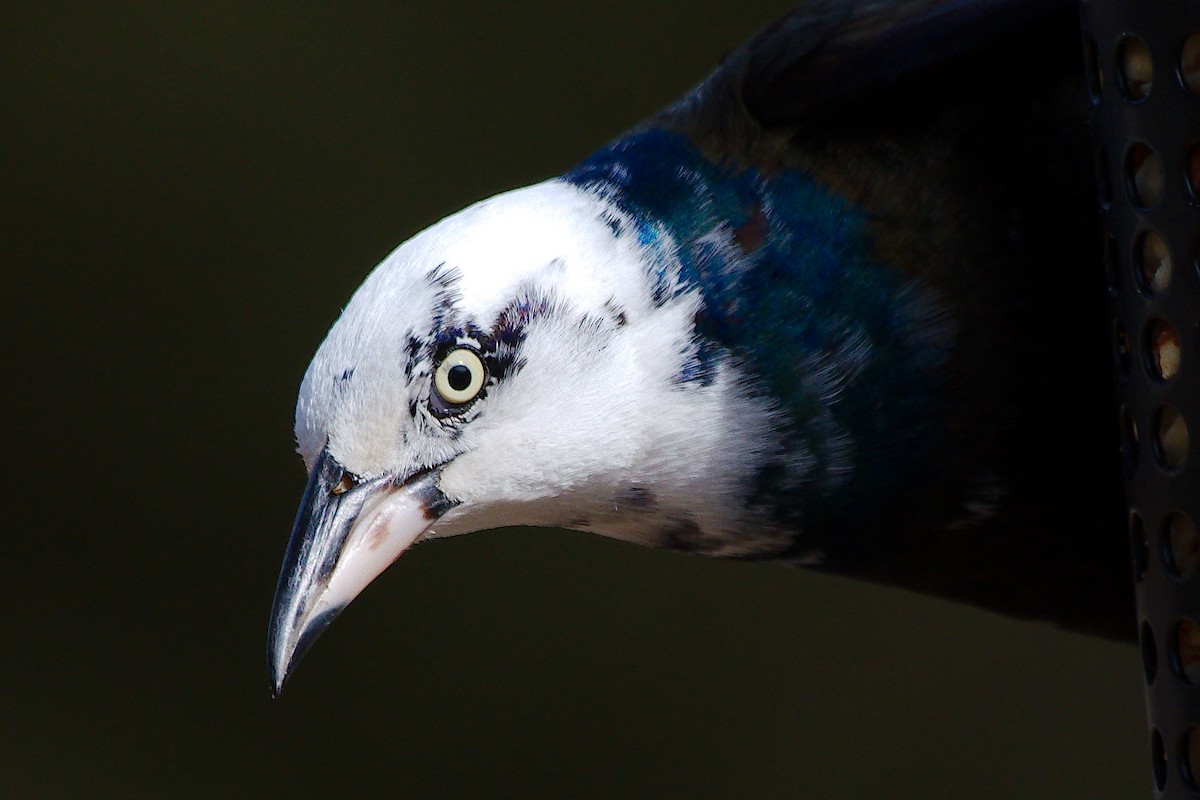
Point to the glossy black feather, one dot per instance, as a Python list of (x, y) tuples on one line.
[(959, 128)]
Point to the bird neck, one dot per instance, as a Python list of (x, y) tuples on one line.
[(849, 351)]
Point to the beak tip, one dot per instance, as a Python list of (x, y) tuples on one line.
[(286, 651), (280, 667), (340, 542)]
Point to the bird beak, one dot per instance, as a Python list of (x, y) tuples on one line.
[(346, 533)]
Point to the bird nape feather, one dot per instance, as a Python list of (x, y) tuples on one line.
[(838, 307)]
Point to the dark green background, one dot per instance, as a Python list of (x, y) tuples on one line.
[(191, 193)]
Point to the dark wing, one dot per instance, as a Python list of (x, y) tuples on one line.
[(959, 129), (826, 55)]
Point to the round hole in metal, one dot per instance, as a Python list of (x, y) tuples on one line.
[(1143, 175), (1153, 260), (1189, 757), (1135, 71), (1171, 443), (1138, 545), (1149, 654), (1121, 348), (1162, 350), (1095, 74), (1185, 651), (1158, 756), (1182, 545), (1189, 63)]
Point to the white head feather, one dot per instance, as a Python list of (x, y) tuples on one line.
[(595, 409)]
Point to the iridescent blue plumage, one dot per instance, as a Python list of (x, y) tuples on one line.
[(794, 292)]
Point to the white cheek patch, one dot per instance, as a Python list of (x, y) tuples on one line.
[(598, 406), (549, 425)]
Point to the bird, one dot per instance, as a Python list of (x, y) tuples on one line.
[(839, 307)]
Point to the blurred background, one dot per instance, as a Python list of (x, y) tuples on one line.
[(191, 192)]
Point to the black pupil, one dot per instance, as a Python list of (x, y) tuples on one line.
[(459, 377)]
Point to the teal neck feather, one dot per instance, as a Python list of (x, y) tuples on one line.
[(793, 293)]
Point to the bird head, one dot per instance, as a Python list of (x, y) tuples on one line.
[(517, 363)]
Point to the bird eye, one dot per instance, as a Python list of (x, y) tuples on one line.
[(459, 378)]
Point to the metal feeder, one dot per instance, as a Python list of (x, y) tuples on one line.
[(1143, 73)]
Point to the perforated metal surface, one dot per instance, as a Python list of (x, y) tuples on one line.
[(1144, 79)]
